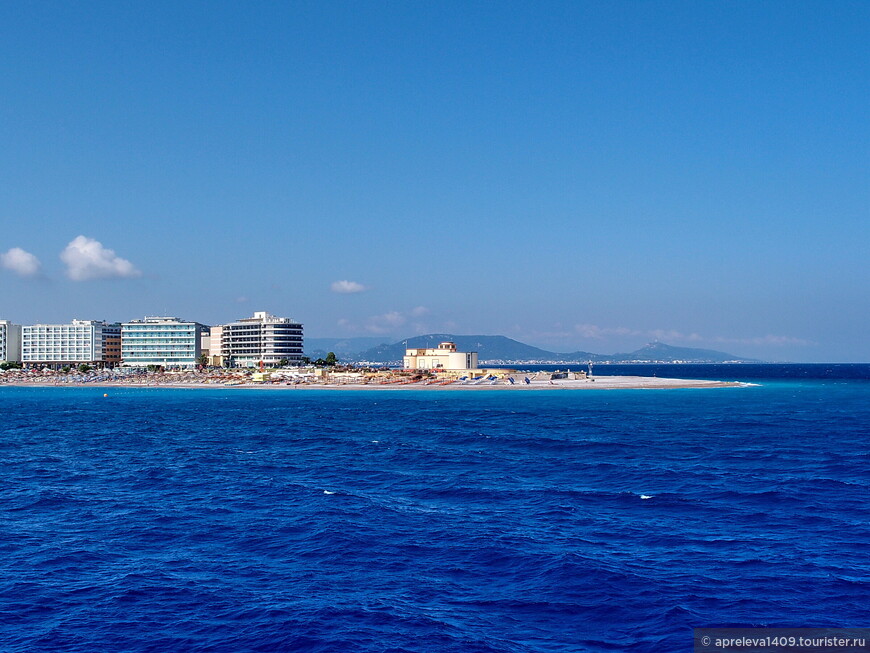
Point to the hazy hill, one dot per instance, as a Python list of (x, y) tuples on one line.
[(503, 349), (344, 348), (660, 352), (487, 347)]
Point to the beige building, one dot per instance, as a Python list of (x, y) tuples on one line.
[(444, 357), (215, 351)]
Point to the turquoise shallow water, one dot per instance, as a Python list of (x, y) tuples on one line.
[(222, 520)]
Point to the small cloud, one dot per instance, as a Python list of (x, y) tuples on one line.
[(597, 333), (776, 341), (22, 263), (347, 287), (671, 335), (389, 322), (385, 323), (87, 259), (589, 331), (241, 300), (666, 335), (379, 324)]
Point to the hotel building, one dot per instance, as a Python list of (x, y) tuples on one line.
[(445, 357), (82, 341), (262, 338), (215, 349), (112, 346), (10, 342), (164, 341)]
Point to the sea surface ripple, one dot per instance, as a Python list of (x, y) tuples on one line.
[(303, 520)]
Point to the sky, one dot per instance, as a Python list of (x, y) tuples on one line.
[(578, 176)]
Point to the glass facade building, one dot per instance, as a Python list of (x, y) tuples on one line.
[(165, 341)]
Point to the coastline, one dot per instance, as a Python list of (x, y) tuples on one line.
[(599, 383)]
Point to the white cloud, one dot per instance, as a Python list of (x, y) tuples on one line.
[(596, 332), (387, 323), (347, 287), (777, 341), (22, 263), (87, 259), (670, 335)]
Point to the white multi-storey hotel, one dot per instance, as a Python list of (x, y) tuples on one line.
[(163, 341), (261, 339), (10, 342), (82, 341)]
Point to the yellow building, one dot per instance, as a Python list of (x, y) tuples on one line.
[(444, 357)]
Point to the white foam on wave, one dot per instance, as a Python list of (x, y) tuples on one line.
[(328, 492), (646, 496)]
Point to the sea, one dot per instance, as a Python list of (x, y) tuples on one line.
[(234, 520)]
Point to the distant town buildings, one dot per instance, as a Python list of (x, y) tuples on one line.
[(444, 357), (161, 341), (261, 340), (10, 342), (82, 341)]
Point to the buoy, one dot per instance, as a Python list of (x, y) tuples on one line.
[(105, 395)]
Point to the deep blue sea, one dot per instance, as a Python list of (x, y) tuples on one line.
[(461, 520)]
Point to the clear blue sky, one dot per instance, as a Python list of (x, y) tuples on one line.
[(574, 175)]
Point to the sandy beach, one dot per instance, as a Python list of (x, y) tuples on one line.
[(194, 380), (600, 383)]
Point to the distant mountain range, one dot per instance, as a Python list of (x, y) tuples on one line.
[(344, 348), (500, 349)]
